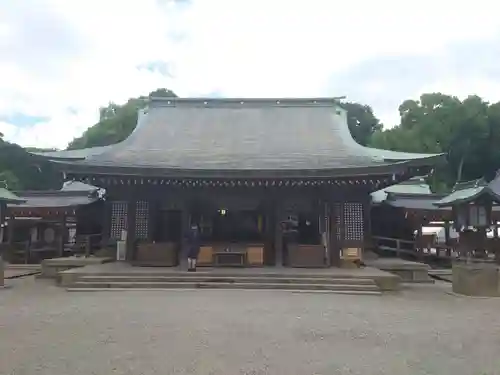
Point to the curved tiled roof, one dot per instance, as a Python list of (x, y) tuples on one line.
[(73, 154), (6, 196), (245, 135), (54, 198), (469, 191), (415, 185)]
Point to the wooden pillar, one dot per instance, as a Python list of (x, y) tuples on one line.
[(367, 227), (131, 211), (278, 237), (447, 237), (153, 212), (185, 222), (60, 237), (324, 225), (268, 236), (333, 242), (10, 231), (106, 223), (447, 233), (495, 236), (419, 242)]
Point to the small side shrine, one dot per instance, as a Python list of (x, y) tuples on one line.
[(48, 224), (477, 271)]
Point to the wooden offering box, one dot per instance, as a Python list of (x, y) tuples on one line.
[(241, 255), (306, 256), (157, 254)]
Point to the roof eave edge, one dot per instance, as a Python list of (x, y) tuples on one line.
[(80, 168)]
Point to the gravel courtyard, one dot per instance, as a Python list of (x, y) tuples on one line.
[(424, 330)]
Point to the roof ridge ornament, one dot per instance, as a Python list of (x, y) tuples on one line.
[(238, 102)]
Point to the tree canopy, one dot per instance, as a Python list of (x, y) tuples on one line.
[(467, 131), (361, 121), (21, 170), (116, 122)]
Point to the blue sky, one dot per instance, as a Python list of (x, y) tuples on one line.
[(62, 59)]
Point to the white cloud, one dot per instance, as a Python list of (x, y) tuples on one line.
[(81, 54)]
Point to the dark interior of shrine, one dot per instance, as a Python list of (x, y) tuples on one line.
[(225, 225)]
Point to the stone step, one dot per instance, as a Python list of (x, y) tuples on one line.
[(215, 285), (228, 273), (212, 279), (117, 289)]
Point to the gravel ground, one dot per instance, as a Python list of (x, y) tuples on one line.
[(424, 330)]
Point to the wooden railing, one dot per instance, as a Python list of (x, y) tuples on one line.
[(397, 245), (489, 250), (419, 248)]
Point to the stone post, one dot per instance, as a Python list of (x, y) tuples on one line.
[(2, 275)]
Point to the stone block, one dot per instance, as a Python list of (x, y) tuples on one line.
[(2, 273), (388, 283), (476, 279), (52, 267)]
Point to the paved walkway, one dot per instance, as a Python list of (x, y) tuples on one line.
[(423, 330)]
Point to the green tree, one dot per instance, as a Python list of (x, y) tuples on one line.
[(9, 180), (361, 121), (21, 170), (439, 123), (116, 122)]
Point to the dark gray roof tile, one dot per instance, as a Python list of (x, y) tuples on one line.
[(46, 199), (72, 154), (466, 192), (9, 197), (245, 134)]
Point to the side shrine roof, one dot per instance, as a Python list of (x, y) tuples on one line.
[(79, 187), (193, 137), (417, 202), (72, 194), (415, 185), (47, 199), (7, 196), (467, 192)]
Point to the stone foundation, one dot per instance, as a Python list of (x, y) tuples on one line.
[(2, 274), (410, 272), (476, 279), (52, 267)]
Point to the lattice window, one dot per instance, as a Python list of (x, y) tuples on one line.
[(118, 219), (142, 220), (353, 221)]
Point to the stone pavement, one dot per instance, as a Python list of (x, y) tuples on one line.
[(423, 330)]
